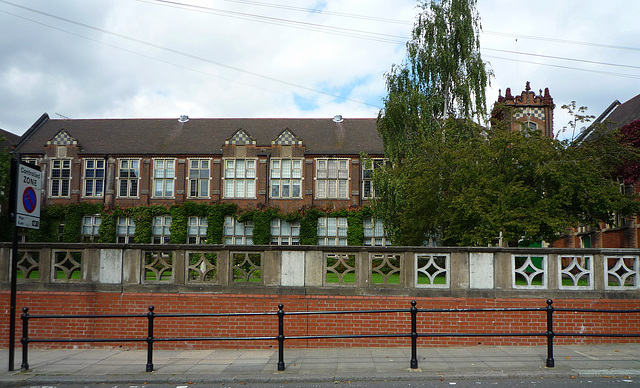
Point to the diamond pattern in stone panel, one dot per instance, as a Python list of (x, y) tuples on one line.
[(240, 138), (62, 138), (287, 138)]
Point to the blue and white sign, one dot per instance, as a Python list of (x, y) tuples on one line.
[(28, 198)]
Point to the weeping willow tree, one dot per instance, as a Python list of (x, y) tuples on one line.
[(432, 99)]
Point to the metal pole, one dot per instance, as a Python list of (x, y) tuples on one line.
[(550, 334), (414, 335), (25, 338), (280, 337), (14, 264), (150, 316)]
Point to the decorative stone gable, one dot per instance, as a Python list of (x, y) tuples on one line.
[(240, 138), (62, 138), (286, 137)]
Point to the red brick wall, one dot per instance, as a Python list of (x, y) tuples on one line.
[(299, 325), (614, 239)]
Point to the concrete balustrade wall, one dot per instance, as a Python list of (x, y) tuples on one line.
[(115, 279)]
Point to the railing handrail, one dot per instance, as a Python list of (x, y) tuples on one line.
[(413, 311)]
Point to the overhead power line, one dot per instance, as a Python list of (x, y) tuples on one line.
[(567, 67), (340, 31), (315, 11), (562, 58), (191, 56), (558, 40)]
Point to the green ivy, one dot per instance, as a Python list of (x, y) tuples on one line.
[(71, 215), (261, 224), (143, 217), (309, 227), (215, 221)]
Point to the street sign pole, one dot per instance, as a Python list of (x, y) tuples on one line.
[(14, 262), (26, 189)]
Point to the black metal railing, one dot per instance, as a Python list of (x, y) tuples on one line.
[(151, 316)]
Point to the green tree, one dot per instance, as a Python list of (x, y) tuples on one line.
[(5, 187), (578, 116), (451, 178), (442, 80), (442, 76)]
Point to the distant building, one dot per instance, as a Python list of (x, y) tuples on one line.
[(529, 110), (288, 164), (623, 231)]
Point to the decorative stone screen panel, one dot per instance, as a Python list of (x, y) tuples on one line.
[(158, 267), (529, 271), (432, 271), (202, 267), (28, 265), (247, 267), (621, 272), (385, 269), (67, 265), (575, 272), (340, 269)]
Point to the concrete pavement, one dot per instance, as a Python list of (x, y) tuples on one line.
[(319, 365)]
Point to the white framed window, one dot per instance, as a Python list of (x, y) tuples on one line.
[(161, 229), (285, 232), (286, 178), (60, 178), (368, 167), (90, 228), (28, 160), (240, 178), (125, 230), (237, 233), (94, 177), (374, 233), (199, 177), (332, 178), (164, 175), (197, 230), (332, 231), (128, 178)]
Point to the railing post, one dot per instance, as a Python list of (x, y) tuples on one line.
[(550, 334), (25, 339), (150, 317), (414, 335), (280, 337)]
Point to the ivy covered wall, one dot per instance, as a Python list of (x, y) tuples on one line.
[(64, 222)]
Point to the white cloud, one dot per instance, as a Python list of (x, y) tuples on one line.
[(222, 64)]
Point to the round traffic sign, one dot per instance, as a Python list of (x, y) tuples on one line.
[(29, 200)]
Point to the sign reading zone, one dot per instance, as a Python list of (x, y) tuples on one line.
[(28, 201)]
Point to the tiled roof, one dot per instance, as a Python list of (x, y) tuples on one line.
[(615, 116), (11, 140), (204, 136), (625, 113)]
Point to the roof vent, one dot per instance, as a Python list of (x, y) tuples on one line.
[(183, 119), (338, 119)]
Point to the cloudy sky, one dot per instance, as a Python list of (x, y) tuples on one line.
[(287, 58)]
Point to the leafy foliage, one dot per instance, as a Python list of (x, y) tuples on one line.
[(630, 135), (5, 187), (442, 76)]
